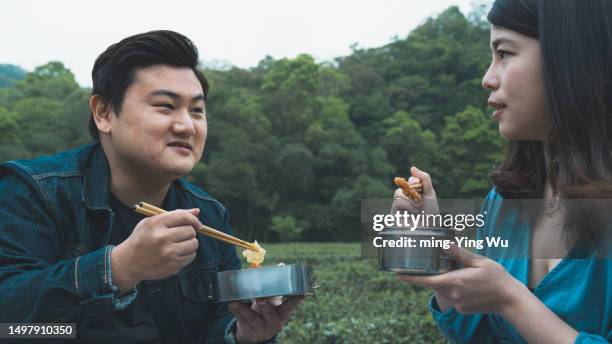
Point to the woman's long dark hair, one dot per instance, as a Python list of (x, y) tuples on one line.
[(576, 41)]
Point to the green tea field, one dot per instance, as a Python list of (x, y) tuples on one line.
[(355, 302)]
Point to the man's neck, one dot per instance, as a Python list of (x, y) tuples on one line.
[(131, 187), (130, 190)]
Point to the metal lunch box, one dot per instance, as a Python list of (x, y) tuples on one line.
[(247, 284), (416, 260)]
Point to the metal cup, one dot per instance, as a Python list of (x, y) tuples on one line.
[(423, 259), (247, 284)]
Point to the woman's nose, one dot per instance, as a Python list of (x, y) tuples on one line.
[(490, 81)]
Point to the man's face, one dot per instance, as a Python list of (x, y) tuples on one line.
[(162, 127)]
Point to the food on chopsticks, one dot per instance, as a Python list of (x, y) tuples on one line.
[(254, 253), (254, 257), (410, 190), (147, 209)]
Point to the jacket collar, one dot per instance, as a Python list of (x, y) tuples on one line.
[(96, 183)]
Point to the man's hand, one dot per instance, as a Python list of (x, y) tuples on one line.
[(158, 247), (262, 320), (483, 286)]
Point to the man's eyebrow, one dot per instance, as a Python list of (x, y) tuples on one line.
[(198, 97), (499, 41), (174, 95)]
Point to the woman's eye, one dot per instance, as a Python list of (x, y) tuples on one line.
[(198, 110), (503, 54)]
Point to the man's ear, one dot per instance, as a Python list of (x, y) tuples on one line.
[(101, 114)]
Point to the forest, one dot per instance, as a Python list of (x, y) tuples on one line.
[(295, 144)]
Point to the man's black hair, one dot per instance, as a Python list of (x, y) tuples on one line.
[(115, 69)]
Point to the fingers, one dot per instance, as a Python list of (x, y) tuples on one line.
[(180, 217), (248, 316), (265, 320), (463, 255), (182, 233), (425, 179), (401, 203), (279, 315), (238, 308), (399, 194), (270, 313), (276, 300), (288, 306), (186, 247), (426, 281)]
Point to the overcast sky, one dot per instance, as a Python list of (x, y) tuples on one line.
[(240, 33)]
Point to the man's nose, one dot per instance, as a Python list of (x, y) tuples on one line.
[(184, 124)]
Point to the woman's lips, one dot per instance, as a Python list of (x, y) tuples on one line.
[(497, 113), (498, 106)]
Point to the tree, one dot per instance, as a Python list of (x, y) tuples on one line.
[(76, 115), (9, 74), (470, 145), (42, 125), (408, 144), (288, 91), (294, 145), (51, 80), (286, 228), (11, 146)]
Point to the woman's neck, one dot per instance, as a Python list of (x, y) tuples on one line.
[(549, 189)]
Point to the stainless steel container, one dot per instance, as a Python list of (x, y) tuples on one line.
[(247, 284), (423, 259)]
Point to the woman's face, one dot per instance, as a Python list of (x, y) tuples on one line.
[(516, 81)]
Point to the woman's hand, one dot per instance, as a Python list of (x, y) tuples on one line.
[(428, 203), (483, 286)]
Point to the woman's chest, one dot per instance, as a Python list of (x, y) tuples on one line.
[(548, 246)]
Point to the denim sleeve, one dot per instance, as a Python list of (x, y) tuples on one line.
[(223, 327), (36, 284)]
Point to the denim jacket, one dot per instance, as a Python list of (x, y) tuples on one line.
[(55, 223)]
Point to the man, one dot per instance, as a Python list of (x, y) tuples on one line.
[(72, 249)]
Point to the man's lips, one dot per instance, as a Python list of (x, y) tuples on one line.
[(179, 144)]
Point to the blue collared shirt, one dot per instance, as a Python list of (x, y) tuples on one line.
[(578, 289)]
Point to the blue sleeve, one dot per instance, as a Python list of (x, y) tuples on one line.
[(36, 285), (461, 328), (586, 338), (465, 328)]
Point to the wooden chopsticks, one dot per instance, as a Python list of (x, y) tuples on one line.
[(147, 209)]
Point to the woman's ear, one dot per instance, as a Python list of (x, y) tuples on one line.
[(101, 114)]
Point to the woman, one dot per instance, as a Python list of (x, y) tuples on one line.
[(550, 84)]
